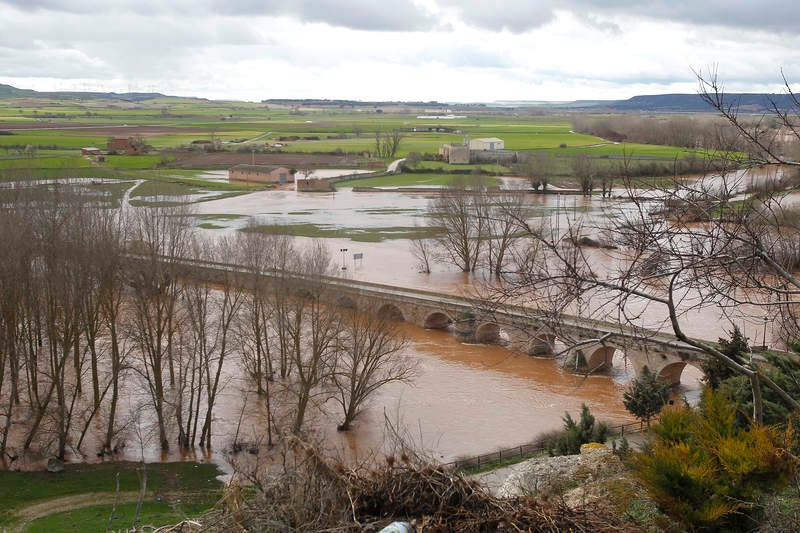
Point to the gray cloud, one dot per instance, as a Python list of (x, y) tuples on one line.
[(398, 15), (521, 15)]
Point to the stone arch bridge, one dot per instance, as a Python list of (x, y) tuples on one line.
[(591, 344)]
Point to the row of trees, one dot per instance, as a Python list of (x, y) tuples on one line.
[(688, 131), (479, 226), (96, 326)]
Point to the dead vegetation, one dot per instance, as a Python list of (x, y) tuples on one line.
[(319, 494)]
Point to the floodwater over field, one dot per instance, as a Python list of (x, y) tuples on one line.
[(390, 261), (466, 399)]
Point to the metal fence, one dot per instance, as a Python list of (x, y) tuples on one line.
[(528, 450)]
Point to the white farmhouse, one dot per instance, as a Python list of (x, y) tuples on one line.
[(487, 143)]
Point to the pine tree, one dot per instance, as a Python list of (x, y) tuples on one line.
[(646, 397)]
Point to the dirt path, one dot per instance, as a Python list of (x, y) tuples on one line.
[(29, 513)]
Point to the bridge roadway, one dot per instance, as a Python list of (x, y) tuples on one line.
[(590, 344)]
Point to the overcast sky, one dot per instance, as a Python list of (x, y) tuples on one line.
[(445, 50)]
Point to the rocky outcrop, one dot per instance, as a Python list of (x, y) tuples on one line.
[(569, 476)]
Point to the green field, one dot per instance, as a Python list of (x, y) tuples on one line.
[(20, 489), (170, 125), (96, 518)]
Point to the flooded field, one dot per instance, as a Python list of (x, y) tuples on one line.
[(465, 399)]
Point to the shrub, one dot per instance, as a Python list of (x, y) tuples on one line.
[(569, 441), (647, 396), (706, 471)]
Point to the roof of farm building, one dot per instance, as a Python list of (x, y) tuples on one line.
[(489, 139), (264, 169)]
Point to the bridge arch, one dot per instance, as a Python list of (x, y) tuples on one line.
[(601, 358), (541, 345), (391, 312), (437, 320), (488, 333), (672, 372)]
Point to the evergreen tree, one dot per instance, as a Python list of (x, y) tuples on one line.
[(569, 441), (647, 396), (715, 370)]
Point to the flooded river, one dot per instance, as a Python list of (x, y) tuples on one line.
[(466, 399)]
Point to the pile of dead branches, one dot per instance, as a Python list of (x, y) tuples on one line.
[(318, 494)]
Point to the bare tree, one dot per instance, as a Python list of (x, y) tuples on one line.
[(369, 357), (742, 254), (584, 170), (502, 212), (457, 212), (160, 234), (303, 329), (387, 143), (538, 168), (765, 136), (422, 251)]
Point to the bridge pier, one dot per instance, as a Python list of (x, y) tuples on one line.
[(464, 330), (536, 344)]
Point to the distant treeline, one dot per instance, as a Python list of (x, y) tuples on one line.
[(701, 131)]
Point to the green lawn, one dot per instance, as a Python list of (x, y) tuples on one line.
[(18, 489), (64, 162), (96, 518)]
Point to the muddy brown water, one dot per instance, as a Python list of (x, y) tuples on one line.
[(466, 399)]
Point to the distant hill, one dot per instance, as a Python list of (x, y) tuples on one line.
[(657, 103), (686, 103), (7, 91)]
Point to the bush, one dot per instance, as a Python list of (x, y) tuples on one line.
[(569, 441), (709, 473), (647, 396)]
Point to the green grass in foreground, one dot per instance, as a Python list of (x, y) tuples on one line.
[(22, 488), (354, 234), (404, 180), (95, 518)]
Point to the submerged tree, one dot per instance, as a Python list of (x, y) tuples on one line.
[(369, 356), (457, 212)]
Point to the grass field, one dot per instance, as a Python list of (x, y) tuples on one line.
[(19, 489), (96, 518), (173, 124)]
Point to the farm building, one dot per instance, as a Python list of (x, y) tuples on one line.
[(91, 150), (487, 143), (455, 153), (260, 174), (314, 185), (127, 145)]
